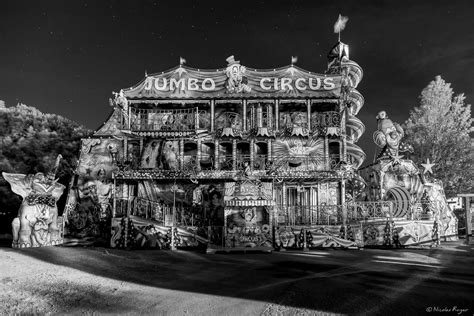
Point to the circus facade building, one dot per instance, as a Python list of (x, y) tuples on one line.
[(228, 158)]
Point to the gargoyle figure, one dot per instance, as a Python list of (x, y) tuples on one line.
[(36, 224), (389, 135)]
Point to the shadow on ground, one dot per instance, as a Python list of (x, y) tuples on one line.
[(339, 281)]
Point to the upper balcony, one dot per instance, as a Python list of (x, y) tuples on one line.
[(256, 122)]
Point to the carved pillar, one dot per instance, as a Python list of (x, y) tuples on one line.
[(259, 115), (125, 148), (308, 108), (196, 118), (216, 154), (252, 153), (244, 115), (252, 116), (344, 206), (277, 114), (343, 134), (212, 115), (269, 149), (114, 196), (234, 154), (141, 148), (198, 154), (181, 153), (269, 117), (326, 152)]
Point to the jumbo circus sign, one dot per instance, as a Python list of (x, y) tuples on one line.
[(236, 81)]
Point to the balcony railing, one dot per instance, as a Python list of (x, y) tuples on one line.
[(298, 163), (260, 162), (323, 214), (164, 120), (325, 119)]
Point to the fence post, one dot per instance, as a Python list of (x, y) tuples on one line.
[(305, 245)]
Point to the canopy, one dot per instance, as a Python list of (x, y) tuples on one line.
[(235, 81)]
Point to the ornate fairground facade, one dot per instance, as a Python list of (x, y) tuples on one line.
[(238, 158)]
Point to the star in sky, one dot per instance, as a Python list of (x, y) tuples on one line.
[(428, 166)]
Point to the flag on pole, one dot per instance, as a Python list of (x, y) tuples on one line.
[(294, 59), (182, 60), (340, 24)]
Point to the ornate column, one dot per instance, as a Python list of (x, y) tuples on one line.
[(114, 197), (259, 115), (234, 154), (269, 149), (212, 115), (343, 205), (125, 148), (181, 153), (216, 154), (277, 114), (141, 148), (343, 133), (252, 153), (308, 108), (326, 152), (196, 118), (198, 154), (269, 117), (244, 115)]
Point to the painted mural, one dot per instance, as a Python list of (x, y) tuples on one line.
[(135, 232), (320, 236), (88, 208), (400, 233), (248, 227)]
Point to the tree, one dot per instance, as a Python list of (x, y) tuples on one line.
[(439, 130), (30, 142)]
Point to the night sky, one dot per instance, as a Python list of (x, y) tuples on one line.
[(67, 57)]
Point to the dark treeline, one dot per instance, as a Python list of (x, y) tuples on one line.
[(29, 143)]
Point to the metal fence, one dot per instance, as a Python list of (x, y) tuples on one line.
[(332, 214)]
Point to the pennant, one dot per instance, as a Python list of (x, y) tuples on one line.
[(340, 24), (182, 60), (294, 59)]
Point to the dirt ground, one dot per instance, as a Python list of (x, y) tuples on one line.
[(80, 280)]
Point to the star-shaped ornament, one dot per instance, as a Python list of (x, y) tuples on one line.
[(397, 158), (428, 166)]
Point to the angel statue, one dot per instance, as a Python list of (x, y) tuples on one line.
[(37, 222)]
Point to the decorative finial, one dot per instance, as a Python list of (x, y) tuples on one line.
[(182, 61), (294, 59)]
